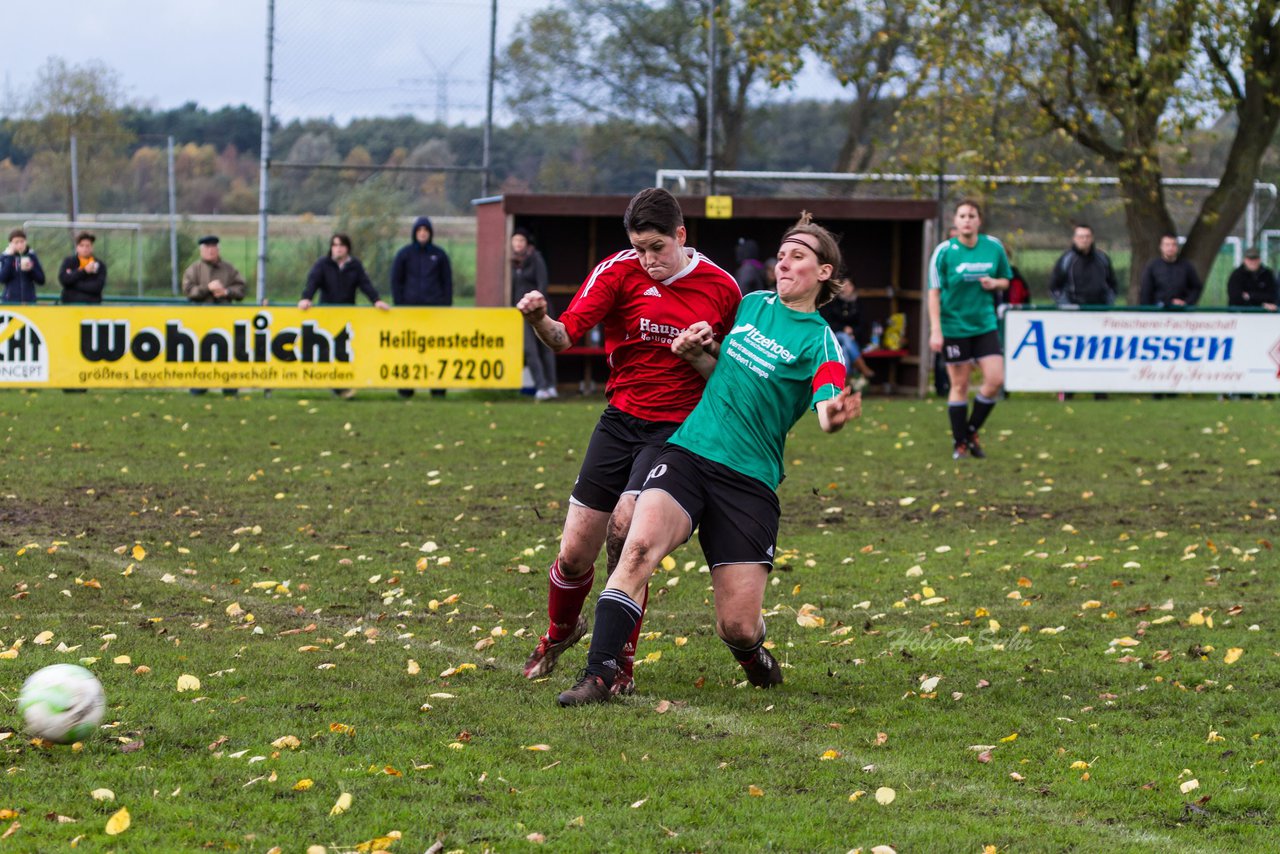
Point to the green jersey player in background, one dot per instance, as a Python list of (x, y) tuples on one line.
[(718, 471), (963, 272)]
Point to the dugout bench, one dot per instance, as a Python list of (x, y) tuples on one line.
[(886, 244)]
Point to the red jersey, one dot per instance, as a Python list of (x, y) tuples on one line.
[(642, 316)]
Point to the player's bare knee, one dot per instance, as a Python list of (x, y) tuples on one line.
[(740, 631), (574, 565)]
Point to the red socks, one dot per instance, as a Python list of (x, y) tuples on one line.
[(564, 601)]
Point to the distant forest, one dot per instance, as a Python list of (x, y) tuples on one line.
[(216, 159)]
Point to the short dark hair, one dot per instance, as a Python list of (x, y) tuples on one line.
[(1083, 225), (828, 252), (654, 209), (16, 233), (86, 235), (968, 203), (1169, 234), (344, 239)]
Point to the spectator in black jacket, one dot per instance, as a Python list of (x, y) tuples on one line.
[(1170, 280), (1083, 274), (1253, 284), (337, 276), (421, 275), (83, 276), (844, 317)]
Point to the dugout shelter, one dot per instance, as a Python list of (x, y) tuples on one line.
[(886, 245)]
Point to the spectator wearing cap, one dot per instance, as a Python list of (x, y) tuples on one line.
[(1253, 284), (212, 279), (83, 276)]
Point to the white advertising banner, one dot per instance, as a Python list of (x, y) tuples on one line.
[(1141, 351)]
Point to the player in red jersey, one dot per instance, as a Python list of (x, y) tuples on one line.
[(645, 296)]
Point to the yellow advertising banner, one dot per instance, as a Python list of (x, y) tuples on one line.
[(105, 346)]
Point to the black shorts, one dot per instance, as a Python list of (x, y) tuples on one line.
[(956, 351), (736, 516), (621, 452)]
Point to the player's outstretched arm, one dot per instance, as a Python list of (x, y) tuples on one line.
[(835, 413), (697, 345), (533, 306)]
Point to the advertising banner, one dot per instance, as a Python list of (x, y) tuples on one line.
[(1140, 351), (107, 346)]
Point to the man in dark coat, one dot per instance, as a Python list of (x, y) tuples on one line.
[(1170, 280), (337, 276), (1083, 274), (1253, 284), (421, 275)]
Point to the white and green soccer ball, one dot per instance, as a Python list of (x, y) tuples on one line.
[(62, 703)]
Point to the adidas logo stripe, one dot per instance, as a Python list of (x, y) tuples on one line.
[(653, 291)]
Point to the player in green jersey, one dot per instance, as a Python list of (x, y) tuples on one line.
[(963, 272), (718, 472)]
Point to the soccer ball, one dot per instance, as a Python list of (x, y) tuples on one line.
[(62, 703)]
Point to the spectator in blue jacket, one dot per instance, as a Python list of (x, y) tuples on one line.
[(421, 275), (20, 269)]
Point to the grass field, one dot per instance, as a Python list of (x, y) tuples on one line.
[(1069, 646)]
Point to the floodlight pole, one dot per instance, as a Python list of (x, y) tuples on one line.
[(711, 98), (264, 158), (488, 113), (75, 181)]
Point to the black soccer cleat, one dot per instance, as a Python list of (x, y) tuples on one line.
[(762, 669), (588, 690), (961, 451), (975, 449)]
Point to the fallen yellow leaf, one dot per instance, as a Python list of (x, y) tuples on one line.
[(1233, 655), (755, 791), (138, 554), (42, 638), (885, 795), (102, 795), (289, 741), (119, 822), (187, 682), (343, 804), (830, 754), (303, 784), (1010, 737)]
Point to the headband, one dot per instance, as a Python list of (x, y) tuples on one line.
[(795, 238)]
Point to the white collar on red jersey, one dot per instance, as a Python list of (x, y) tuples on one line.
[(688, 268)]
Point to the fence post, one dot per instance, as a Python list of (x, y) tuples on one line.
[(173, 225)]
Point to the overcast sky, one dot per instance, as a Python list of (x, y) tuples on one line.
[(340, 58)]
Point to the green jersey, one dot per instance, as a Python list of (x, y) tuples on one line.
[(956, 271), (774, 364)]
